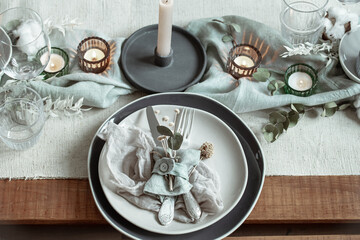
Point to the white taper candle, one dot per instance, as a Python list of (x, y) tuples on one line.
[(164, 28)]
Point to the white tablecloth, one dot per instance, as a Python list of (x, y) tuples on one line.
[(317, 146)]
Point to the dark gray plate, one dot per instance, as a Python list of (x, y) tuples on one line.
[(251, 146)]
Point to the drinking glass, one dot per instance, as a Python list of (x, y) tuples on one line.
[(27, 36), (302, 20), (5, 50), (21, 117)]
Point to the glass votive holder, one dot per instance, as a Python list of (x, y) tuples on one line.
[(300, 80), (243, 60), (21, 117), (58, 64), (94, 54)]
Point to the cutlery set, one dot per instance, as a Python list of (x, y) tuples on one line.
[(183, 125)]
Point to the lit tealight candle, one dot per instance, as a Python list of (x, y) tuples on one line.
[(300, 81), (244, 61), (94, 54), (55, 64)]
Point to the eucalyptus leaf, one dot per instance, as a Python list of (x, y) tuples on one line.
[(272, 87), (164, 131), (280, 84), (268, 127), (298, 108), (344, 106), (270, 132), (276, 117), (261, 76), (329, 109), (227, 38), (284, 113), (177, 141), (328, 112), (330, 105), (286, 124), (280, 128), (293, 117), (263, 70), (236, 27), (275, 85)]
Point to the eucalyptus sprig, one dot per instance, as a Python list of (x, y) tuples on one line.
[(231, 27), (263, 75), (174, 140), (329, 109), (280, 121)]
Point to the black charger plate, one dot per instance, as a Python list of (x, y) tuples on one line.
[(251, 146)]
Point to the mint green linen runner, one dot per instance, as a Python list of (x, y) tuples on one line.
[(243, 95)]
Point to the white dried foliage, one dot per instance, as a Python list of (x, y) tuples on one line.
[(65, 24), (65, 107), (324, 49)]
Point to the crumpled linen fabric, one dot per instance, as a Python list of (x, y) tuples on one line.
[(98, 90), (125, 166), (102, 90), (246, 95)]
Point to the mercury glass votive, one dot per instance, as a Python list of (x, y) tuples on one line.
[(58, 64), (94, 54), (243, 60), (300, 80)]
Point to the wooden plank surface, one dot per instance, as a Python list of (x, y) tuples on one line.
[(284, 199)]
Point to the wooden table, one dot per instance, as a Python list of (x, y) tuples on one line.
[(299, 206), (288, 205)]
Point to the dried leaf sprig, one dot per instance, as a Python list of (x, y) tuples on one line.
[(325, 49), (66, 24), (66, 107), (307, 49)]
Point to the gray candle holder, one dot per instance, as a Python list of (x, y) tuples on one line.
[(149, 72)]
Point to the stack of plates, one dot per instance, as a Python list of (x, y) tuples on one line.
[(238, 159)]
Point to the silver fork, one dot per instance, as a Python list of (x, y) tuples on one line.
[(184, 127)]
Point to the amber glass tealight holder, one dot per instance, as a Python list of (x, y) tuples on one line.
[(300, 80), (243, 60), (94, 54)]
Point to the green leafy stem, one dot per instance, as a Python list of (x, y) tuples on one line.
[(174, 140), (280, 120), (228, 37), (263, 75)]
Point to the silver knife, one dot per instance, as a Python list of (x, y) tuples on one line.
[(166, 212), (153, 123)]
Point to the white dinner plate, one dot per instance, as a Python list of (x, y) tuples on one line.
[(228, 160), (348, 52)]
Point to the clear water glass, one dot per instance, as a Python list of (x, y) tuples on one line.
[(21, 117), (302, 21), (26, 32), (5, 50)]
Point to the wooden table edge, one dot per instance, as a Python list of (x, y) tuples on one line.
[(284, 200)]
